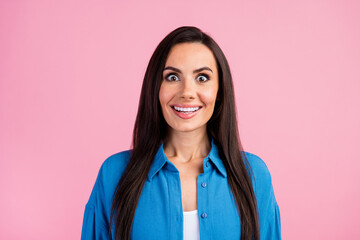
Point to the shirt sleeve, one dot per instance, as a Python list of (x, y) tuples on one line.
[(97, 213), (277, 222), (269, 213), (271, 227), (94, 222), (93, 228)]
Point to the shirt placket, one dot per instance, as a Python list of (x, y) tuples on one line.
[(203, 202), (175, 205)]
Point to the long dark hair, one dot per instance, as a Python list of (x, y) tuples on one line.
[(150, 130)]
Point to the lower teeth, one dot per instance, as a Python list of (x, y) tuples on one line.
[(187, 112)]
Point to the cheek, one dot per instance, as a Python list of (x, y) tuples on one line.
[(161, 94), (209, 96), (164, 95)]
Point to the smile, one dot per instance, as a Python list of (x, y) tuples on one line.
[(185, 113), (186, 110)]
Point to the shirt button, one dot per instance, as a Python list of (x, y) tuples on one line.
[(207, 164), (203, 215), (203, 184)]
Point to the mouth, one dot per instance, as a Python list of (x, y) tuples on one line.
[(187, 110)]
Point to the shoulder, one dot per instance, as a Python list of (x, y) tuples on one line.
[(112, 169), (269, 213), (258, 171), (115, 163), (257, 165), (109, 174)]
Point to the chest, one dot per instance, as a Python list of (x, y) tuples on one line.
[(188, 182), (159, 214), (188, 192)]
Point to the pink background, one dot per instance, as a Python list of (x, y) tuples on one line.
[(70, 78)]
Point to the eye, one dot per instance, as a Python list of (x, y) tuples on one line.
[(172, 77), (203, 77)]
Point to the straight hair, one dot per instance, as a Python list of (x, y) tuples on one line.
[(150, 129)]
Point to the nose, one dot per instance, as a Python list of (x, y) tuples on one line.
[(188, 90)]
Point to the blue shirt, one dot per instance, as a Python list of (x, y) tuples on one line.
[(159, 213)]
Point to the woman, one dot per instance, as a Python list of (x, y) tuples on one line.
[(187, 176)]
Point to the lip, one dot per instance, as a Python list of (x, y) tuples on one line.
[(184, 115), (185, 106)]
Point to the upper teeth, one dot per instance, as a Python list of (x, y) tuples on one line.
[(186, 109)]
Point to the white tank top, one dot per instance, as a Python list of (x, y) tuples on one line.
[(191, 225)]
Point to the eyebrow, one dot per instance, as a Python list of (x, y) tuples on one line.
[(195, 71)]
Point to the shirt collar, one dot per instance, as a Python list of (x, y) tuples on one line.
[(160, 160)]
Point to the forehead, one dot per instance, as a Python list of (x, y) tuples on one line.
[(190, 55)]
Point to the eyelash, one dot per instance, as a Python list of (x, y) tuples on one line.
[(201, 74)]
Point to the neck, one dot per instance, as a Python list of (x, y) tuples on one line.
[(187, 146)]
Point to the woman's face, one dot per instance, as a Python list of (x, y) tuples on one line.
[(189, 87)]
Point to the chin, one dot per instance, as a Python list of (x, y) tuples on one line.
[(187, 128)]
